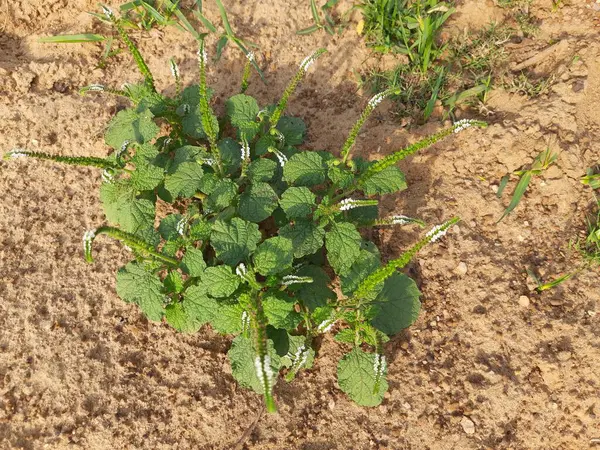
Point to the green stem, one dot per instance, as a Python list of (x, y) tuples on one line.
[(129, 239), (72, 160)]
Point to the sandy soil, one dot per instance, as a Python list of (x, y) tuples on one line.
[(482, 369)]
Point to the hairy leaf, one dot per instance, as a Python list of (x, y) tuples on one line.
[(222, 195), (220, 281), (307, 237), (297, 202), (293, 129), (273, 256), (136, 284), (397, 305), (242, 111), (168, 227), (257, 203), (234, 241), (179, 318), (356, 377), (388, 181), (122, 207), (261, 170), (193, 262), (183, 179), (279, 309), (316, 294), (131, 125), (305, 169), (343, 246)]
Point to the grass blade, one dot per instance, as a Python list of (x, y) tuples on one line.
[(72, 38), (187, 25), (223, 13), (308, 30), (315, 12), (518, 194), (207, 23), (434, 95), (502, 185)]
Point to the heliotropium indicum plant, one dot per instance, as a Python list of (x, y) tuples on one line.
[(265, 244)]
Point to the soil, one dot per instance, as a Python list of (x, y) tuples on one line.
[(490, 364)]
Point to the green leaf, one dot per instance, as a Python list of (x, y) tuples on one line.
[(122, 207), (316, 294), (279, 309), (305, 169), (184, 179), (343, 246), (261, 170), (293, 129), (274, 255), (168, 227), (234, 241), (179, 318), (388, 181), (517, 194), (242, 111), (397, 304), (193, 262), (340, 176), (347, 336), (72, 38), (297, 202), (257, 202), (136, 284), (231, 155), (220, 281), (224, 316), (366, 263), (131, 125), (222, 195), (242, 354), (200, 230), (173, 282), (307, 237), (146, 175), (356, 377)]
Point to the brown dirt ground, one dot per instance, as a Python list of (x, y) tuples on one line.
[(81, 369)]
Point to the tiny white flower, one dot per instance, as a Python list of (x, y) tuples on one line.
[(379, 366), (128, 248), (377, 99), (123, 148), (17, 153), (400, 220), (95, 87), (309, 60), (462, 124), (241, 270), (264, 371), (203, 55), (88, 237), (110, 15), (436, 232), (107, 176), (326, 325), (299, 358), (174, 69), (280, 157), (250, 56), (186, 108), (180, 227), (208, 161), (245, 321), (245, 151), (294, 279)]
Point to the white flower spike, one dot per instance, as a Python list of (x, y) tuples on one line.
[(463, 124), (437, 232)]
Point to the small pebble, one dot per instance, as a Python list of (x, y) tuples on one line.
[(524, 301), (564, 356), (467, 425), (461, 269)]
